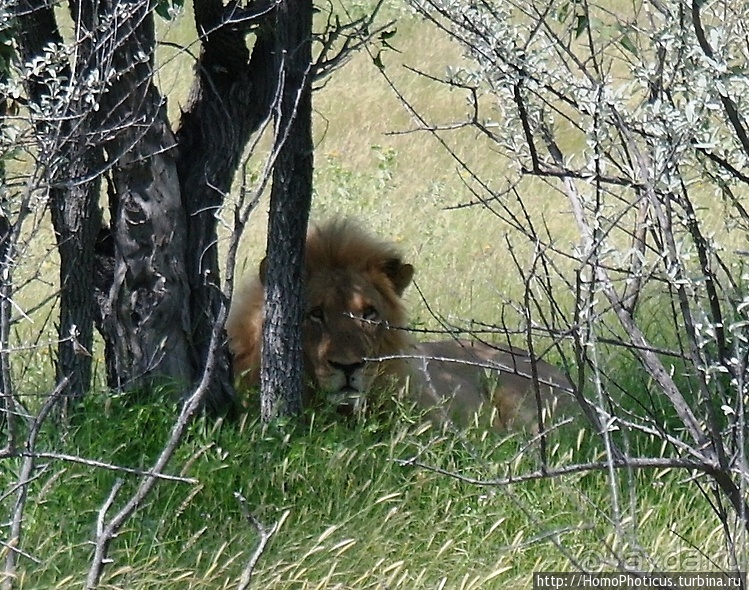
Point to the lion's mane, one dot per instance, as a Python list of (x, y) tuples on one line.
[(340, 248)]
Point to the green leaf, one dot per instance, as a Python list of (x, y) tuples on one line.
[(377, 60), (624, 38), (627, 43), (387, 45), (563, 12), (581, 25), (163, 8), (384, 36)]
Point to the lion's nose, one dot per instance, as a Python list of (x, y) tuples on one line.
[(348, 369)]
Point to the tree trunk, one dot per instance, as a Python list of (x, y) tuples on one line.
[(152, 279), (73, 162), (233, 95), (145, 320), (282, 371), (76, 219)]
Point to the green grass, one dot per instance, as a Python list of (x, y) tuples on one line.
[(353, 516)]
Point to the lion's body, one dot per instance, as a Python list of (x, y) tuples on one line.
[(498, 384), (355, 341)]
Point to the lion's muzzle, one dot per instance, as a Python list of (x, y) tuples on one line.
[(349, 395)]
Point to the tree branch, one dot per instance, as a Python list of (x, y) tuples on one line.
[(576, 468), (728, 106), (266, 534), (24, 477), (109, 530)]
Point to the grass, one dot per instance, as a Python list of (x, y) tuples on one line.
[(353, 516)]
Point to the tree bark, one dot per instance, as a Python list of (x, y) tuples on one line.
[(144, 321), (233, 95), (282, 371), (73, 163)]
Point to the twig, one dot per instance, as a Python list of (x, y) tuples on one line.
[(104, 465), (20, 552), (102, 514), (480, 364), (265, 536), (109, 530), (29, 464), (624, 463), (728, 105)]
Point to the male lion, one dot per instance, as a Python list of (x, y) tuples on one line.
[(355, 342)]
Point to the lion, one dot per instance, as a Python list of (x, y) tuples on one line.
[(356, 342)]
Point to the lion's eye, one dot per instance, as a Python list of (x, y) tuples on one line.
[(370, 314), (316, 314)]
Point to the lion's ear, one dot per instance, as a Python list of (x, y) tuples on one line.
[(400, 274)]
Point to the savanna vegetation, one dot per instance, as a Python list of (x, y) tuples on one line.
[(569, 176)]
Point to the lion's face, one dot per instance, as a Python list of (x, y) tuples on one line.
[(352, 317), (353, 314)]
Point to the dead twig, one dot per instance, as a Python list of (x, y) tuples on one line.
[(25, 476), (266, 534)]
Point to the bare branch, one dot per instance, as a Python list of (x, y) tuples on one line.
[(25, 476), (624, 463), (266, 534), (109, 529), (728, 105)]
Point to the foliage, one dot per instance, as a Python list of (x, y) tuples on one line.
[(166, 9), (636, 116)]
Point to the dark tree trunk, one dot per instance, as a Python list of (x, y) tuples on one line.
[(233, 95), (135, 277), (147, 322), (73, 162), (144, 320), (6, 284), (282, 375), (136, 288), (76, 219)]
